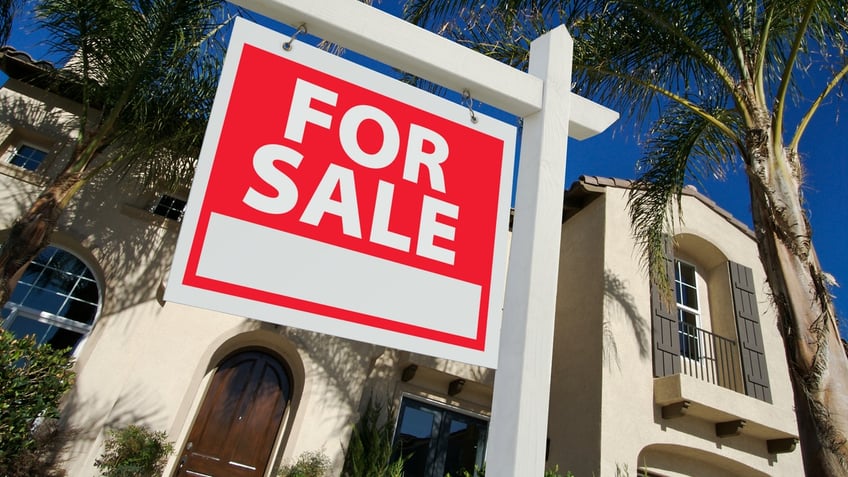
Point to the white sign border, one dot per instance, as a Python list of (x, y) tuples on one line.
[(245, 32)]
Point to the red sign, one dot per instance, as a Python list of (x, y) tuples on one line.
[(332, 198)]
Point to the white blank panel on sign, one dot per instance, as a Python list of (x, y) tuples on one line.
[(281, 263)]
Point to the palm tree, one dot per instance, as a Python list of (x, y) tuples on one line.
[(7, 14), (145, 73), (719, 76)]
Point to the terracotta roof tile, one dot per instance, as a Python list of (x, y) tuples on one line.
[(689, 190)]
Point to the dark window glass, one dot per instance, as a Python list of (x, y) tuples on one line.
[(686, 285), (436, 441), (688, 335), (28, 157), (56, 300), (170, 207)]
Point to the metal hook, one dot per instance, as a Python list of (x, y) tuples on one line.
[(468, 102), (300, 29)]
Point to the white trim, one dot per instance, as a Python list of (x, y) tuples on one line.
[(449, 407)]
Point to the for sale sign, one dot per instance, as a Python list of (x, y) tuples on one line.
[(332, 198)]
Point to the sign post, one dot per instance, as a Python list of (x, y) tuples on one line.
[(519, 416), (551, 113)]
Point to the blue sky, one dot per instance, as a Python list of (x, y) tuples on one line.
[(824, 149)]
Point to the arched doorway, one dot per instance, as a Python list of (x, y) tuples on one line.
[(238, 422)]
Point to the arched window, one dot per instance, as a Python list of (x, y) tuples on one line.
[(56, 299)]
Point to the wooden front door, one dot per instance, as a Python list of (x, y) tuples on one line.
[(237, 424)]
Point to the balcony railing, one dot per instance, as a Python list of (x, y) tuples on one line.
[(710, 357)]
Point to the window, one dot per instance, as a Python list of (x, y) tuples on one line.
[(436, 440), (27, 157), (688, 310), (56, 299), (169, 207)]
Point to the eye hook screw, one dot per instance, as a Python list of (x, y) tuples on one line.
[(300, 29)]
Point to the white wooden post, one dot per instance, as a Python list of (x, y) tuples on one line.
[(522, 381)]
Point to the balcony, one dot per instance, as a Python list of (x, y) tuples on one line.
[(710, 387), (710, 357)]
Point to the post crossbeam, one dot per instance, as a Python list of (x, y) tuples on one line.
[(393, 41)]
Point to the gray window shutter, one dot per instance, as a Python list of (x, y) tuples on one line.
[(666, 330), (749, 332)]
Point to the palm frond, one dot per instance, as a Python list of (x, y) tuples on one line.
[(8, 8), (682, 147), (148, 70)]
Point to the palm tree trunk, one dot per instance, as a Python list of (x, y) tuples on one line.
[(817, 360), (31, 231)]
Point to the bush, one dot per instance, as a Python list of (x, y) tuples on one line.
[(134, 451), (481, 472), (370, 451), (308, 464), (32, 381)]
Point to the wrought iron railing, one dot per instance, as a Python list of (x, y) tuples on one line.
[(710, 357)]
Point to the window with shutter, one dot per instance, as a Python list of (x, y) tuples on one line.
[(666, 327), (681, 346), (749, 332)]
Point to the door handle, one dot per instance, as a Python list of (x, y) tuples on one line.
[(184, 458)]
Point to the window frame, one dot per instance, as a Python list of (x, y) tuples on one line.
[(446, 410), (18, 311), (695, 350), (13, 150), (157, 203)]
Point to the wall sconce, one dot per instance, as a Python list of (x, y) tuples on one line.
[(455, 387), (408, 373)]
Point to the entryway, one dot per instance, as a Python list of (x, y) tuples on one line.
[(238, 422)]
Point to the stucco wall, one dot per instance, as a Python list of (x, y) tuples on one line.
[(580, 353), (634, 432)]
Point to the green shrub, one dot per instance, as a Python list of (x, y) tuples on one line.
[(308, 464), (478, 472), (370, 451), (134, 451), (481, 472), (32, 381)]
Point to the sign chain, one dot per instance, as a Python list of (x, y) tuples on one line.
[(468, 102)]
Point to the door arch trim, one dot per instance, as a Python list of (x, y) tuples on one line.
[(226, 345)]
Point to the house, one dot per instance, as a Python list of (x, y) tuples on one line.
[(639, 385), (700, 387)]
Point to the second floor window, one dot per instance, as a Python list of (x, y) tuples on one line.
[(27, 157), (688, 308), (169, 207)]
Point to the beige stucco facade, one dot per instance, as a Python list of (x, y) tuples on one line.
[(151, 362), (606, 404)]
